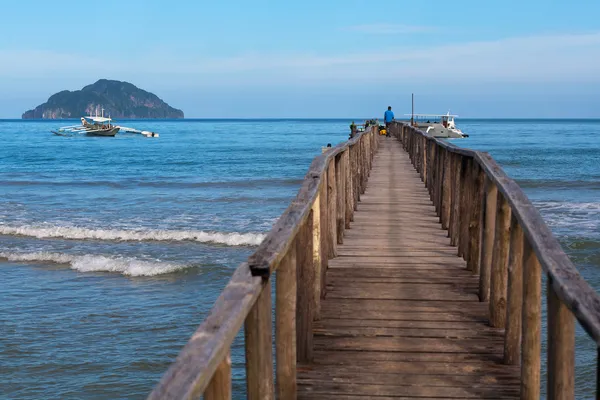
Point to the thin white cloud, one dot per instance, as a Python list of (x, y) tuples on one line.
[(389, 29), (545, 58)]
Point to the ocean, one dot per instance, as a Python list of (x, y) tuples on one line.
[(113, 250)]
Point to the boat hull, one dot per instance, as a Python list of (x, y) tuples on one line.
[(438, 130), (104, 132)]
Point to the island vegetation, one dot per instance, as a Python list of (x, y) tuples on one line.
[(118, 99)]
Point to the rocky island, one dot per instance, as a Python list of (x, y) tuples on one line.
[(118, 99)]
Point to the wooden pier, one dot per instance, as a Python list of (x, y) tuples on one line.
[(406, 268)]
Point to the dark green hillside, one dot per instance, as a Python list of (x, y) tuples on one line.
[(119, 100)]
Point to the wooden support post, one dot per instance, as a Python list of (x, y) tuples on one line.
[(489, 230), (317, 255), (465, 213), (259, 359), (476, 218), (499, 276), (456, 192), (285, 325), (561, 348), (305, 289), (355, 176), (219, 387), (512, 335), (324, 230), (424, 166), (532, 322), (331, 210), (446, 189), (340, 172), (349, 207)]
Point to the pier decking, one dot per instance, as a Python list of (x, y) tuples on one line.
[(405, 268), (401, 316)]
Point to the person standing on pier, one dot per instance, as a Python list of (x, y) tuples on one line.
[(388, 117)]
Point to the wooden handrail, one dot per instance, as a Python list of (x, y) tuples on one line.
[(507, 242), (298, 246)]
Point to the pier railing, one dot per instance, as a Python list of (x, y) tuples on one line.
[(504, 240), (297, 249)]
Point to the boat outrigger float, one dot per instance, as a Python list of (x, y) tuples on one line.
[(98, 126)]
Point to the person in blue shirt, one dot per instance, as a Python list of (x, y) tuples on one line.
[(388, 117)]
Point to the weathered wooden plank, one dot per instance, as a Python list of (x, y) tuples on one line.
[(380, 360), (415, 391), (412, 379), (406, 332)]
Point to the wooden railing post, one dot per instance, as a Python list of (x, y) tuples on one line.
[(499, 276), (219, 387), (465, 209), (349, 207), (331, 210), (324, 230), (285, 325), (561, 348), (305, 289), (446, 189), (491, 195), (456, 191), (531, 326), (340, 177), (476, 218), (355, 176), (512, 335), (318, 274), (259, 359)]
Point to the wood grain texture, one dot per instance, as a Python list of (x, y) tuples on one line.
[(532, 325), (402, 317), (499, 275), (305, 311), (561, 348), (489, 230), (285, 326), (512, 342), (258, 341), (220, 384)]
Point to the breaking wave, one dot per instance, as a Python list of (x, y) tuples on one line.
[(93, 263), (72, 232)]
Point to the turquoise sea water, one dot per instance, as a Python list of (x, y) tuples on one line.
[(112, 250)]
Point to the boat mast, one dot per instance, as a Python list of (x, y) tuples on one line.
[(412, 115)]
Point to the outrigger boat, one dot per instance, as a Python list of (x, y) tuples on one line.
[(91, 126), (437, 125), (99, 126), (443, 125)]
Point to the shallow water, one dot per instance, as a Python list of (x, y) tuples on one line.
[(112, 250)]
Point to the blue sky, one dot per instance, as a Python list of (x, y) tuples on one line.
[(312, 58)]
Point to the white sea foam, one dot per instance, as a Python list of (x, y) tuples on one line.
[(571, 217), (73, 232), (95, 263)]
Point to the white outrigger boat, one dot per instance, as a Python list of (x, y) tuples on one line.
[(437, 125), (99, 126), (91, 126), (443, 125)]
